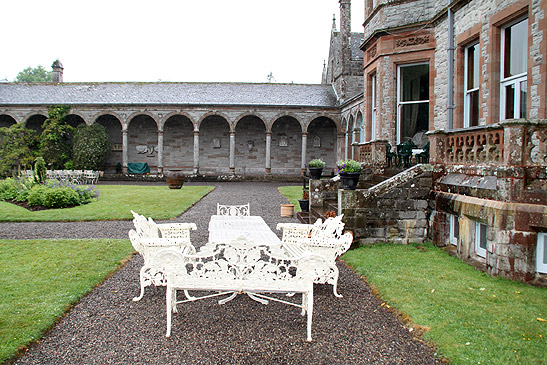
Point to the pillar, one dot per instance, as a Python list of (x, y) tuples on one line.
[(304, 148), (340, 142), (196, 152), (232, 152), (124, 150), (268, 153), (160, 153)]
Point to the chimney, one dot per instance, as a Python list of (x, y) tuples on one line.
[(345, 34), (57, 71)]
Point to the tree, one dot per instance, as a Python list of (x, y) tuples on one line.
[(18, 148), (37, 74), (90, 147), (56, 138)]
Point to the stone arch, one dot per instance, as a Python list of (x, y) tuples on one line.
[(213, 114), (74, 120), (250, 145), (322, 132), (142, 139), (214, 144), (290, 115), (178, 142), (359, 122), (113, 126), (135, 115), (110, 113), (250, 114), (7, 120), (286, 147), (169, 115), (35, 121)]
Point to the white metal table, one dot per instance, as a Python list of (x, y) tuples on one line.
[(224, 229)]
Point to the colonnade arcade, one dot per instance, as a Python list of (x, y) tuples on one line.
[(213, 143)]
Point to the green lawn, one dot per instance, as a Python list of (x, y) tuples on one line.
[(115, 203), (293, 193), (470, 316), (42, 278)]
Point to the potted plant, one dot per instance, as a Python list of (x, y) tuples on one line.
[(349, 171), (315, 168), (305, 202)]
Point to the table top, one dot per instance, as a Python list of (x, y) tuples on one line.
[(224, 229)]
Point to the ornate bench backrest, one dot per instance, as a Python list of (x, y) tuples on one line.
[(233, 210), (145, 227)]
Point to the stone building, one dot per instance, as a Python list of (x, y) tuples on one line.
[(472, 76)]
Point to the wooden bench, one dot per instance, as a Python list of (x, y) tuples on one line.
[(148, 238), (322, 238), (239, 267)]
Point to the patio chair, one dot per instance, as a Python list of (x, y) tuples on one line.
[(390, 156), (234, 210), (404, 153)]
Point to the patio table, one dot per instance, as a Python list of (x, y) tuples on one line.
[(224, 229)]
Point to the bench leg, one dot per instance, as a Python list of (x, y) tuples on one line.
[(141, 276), (335, 283), (168, 304), (309, 305)]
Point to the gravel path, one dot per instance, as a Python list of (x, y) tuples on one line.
[(107, 327)]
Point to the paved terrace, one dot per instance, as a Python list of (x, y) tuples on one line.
[(107, 327)]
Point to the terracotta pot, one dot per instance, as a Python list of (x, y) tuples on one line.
[(175, 179), (287, 210)]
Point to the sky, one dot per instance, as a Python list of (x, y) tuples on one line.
[(171, 40)]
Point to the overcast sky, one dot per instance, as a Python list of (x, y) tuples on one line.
[(171, 40)]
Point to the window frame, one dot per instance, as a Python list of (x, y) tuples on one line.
[(454, 222), (515, 80), (541, 267), (373, 108), (400, 103), (467, 93), (481, 252)]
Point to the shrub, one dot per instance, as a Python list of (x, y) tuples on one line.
[(18, 147), (317, 162), (90, 147), (40, 171), (8, 189), (52, 197), (56, 138), (344, 166)]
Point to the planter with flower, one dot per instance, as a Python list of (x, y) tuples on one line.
[(315, 167), (305, 202), (349, 171)]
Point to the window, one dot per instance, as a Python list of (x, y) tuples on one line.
[(471, 86), (373, 108), (541, 253), (454, 229), (412, 100), (514, 64), (480, 239)]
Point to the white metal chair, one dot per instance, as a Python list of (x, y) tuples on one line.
[(234, 210)]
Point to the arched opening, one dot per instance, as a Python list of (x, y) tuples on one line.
[(322, 142), (113, 128), (35, 122), (250, 151), (142, 141), (286, 146), (74, 120), (6, 120), (214, 145), (349, 139), (178, 144)]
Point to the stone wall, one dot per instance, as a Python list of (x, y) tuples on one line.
[(178, 144), (142, 139), (394, 211)]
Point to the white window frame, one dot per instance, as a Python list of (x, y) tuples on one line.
[(454, 222), (401, 103), (373, 118), (478, 249), (467, 93), (515, 80), (540, 251)]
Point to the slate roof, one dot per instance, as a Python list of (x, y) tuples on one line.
[(167, 93)]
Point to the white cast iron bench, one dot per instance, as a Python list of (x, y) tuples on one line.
[(234, 210), (239, 267), (148, 238), (322, 238)]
